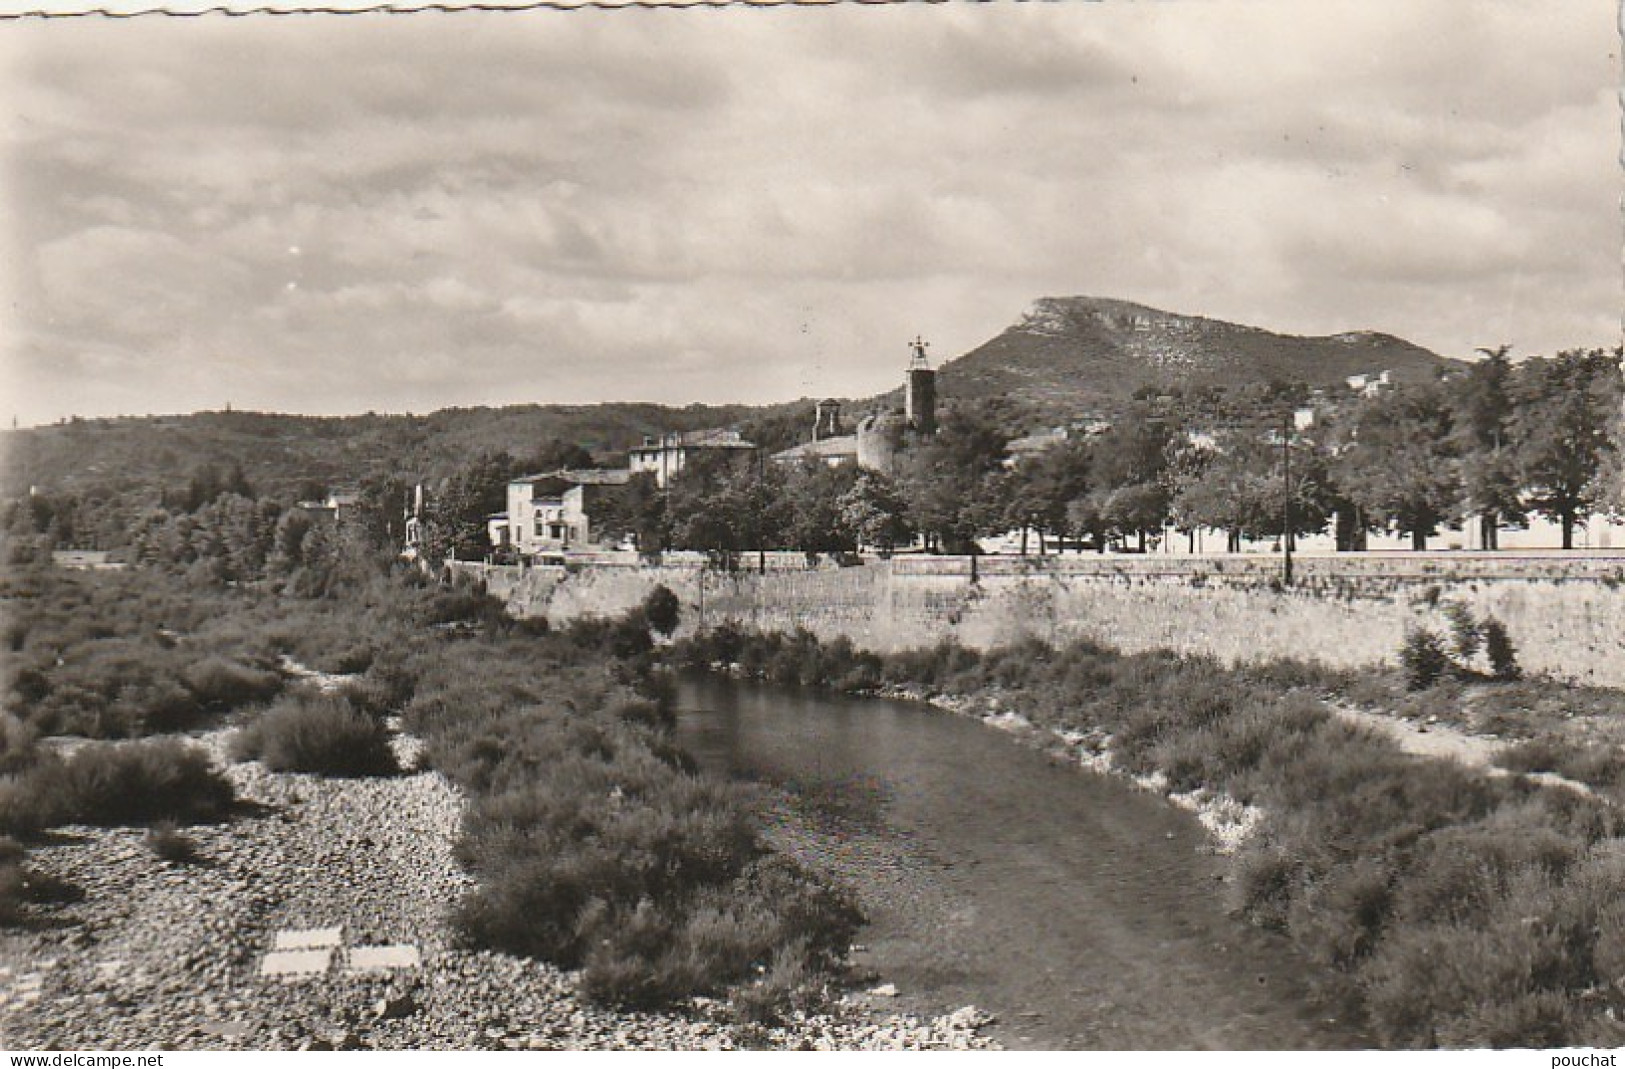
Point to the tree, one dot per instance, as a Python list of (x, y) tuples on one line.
[(812, 519), (875, 513), (1565, 407), (1483, 418), (1039, 489), (952, 481), (209, 482), (717, 506), (1238, 490), (555, 454), (1130, 494), (1397, 462), (456, 512), (662, 609), (636, 511)]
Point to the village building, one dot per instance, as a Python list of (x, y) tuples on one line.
[(414, 523), (336, 506), (829, 444), (1018, 450), (1372, 383), (552, 512), (666, 455), (881, 438)]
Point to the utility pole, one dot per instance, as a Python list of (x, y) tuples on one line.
[(1286, 499)]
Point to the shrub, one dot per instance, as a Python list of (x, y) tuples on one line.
[(662, 609), (384, 688), (221, 685), (22, 886), (1466, 633), (1263, 885), (346, 660), (1595, 764), (766, 935), (1340, 919), (321, 734), (1503, 655), (116, 688), (17, 744), (1424, 658), (1543, 754), (168, 842), (790, 983), (116, 783)]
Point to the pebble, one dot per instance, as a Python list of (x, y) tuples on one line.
[(157, 956)]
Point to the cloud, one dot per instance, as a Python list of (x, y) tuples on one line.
[(740, 204)]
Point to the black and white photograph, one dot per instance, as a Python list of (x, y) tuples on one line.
[(1087, 526)]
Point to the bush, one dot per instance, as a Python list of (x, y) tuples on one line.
[(116, 783), (346, 660), (1466, 633), (221, 685), (18, 745), (168, 842), (1503, 655), (116, 688), (383, 689), (1424, 659), (592, 843), (22, 886), (662, 609), (765, 936), (320, 734), (1594, 764)]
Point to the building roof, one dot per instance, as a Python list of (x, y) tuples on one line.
[(1037, 443), (716, 438), (841, 445), (580, 477)]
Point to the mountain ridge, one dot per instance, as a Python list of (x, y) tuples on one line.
[(1085, 352), (1063, 358)]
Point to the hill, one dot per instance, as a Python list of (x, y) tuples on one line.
[(1066, 356), (279, 453), (1072, 354)]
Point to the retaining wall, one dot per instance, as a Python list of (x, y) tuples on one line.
[(1566, 614)]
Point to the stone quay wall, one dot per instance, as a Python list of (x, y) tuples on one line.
[(1565, 613)]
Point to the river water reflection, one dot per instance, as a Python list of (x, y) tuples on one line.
[(1084, 913)]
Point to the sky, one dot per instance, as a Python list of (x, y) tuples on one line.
[(336, 214)]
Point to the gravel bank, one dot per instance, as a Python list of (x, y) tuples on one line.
[(165, 955)]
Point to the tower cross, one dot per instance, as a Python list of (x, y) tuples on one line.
[(919, 345)]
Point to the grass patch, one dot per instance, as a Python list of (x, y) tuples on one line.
[(1594, 764)]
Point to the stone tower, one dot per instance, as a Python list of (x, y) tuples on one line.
[(920, 391), (826, 420)]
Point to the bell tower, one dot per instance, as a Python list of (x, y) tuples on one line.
[(920, 390)]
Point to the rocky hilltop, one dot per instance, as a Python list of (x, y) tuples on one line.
[(1076, 353)]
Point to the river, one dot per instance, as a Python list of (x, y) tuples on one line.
[(1083, 913)]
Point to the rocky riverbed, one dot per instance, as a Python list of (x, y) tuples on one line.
[(170, 955)]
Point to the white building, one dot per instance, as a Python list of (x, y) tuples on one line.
[(669, 454), (552, 513)]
